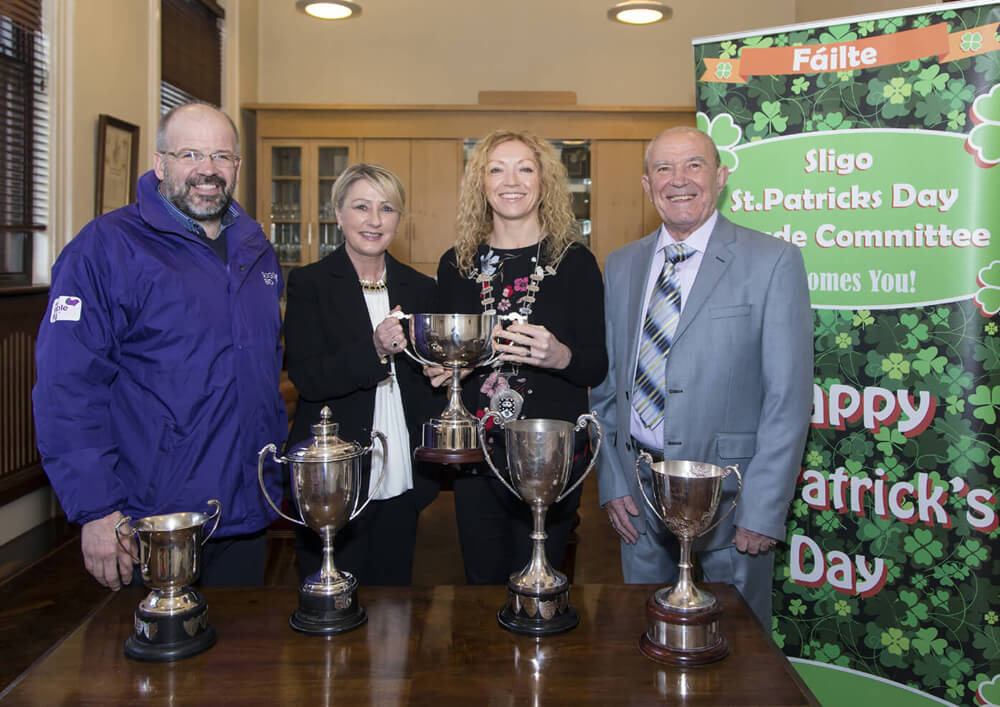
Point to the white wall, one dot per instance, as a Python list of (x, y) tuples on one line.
[(445, 52)]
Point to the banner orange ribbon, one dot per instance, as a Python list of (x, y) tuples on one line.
[(851, 56)]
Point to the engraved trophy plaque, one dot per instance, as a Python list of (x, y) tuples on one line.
[(454, 341), (171, 621), (326, 479), (539, 458), (684, 621)]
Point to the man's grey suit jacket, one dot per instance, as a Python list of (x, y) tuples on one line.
[(738, 376)]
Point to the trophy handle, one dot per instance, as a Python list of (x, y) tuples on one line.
[(645, 456), (217, 515), (494, 356), (118, 537), (260, 477), (381, 473), (415, 356), (733, 469), (482, 443), (585, 419)]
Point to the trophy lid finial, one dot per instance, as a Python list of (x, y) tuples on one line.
[(326, 427)]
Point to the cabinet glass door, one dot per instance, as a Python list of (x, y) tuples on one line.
[(286, 203), (332, 161), (575, 156)]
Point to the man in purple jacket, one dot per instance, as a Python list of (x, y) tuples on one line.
[(159, 358)]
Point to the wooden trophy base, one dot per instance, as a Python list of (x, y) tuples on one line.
[(448, 456), (450, 442), (683, 638)]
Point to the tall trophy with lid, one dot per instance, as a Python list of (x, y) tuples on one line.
[(326, 485)]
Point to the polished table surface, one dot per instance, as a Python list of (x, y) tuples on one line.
[(421, 645)]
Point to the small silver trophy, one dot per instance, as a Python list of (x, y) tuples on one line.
[(171, 621), (326, 480), (539, 458), (454, 341), (684, 620)]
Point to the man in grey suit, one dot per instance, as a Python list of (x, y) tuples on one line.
[(731, 385)]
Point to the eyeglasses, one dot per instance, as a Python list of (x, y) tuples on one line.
[(190, 158)]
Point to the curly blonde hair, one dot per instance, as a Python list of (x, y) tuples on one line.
[(555, 213)]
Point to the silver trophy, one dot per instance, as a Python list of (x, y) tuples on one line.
[(171, 621), (539, 458), (684, 620), (326, 480), (454, 341)]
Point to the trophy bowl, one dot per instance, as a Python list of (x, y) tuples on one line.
[(684, 620), (326, 485), (171, 621), (539, 459), (453, 341)]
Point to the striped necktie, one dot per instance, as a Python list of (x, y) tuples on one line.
[(658, 329)]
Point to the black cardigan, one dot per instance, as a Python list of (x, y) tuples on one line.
[(570, 304)]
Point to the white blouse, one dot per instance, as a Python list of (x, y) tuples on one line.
[(389, 418)]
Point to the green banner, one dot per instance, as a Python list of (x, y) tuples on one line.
[(877, 228), (873, 144)]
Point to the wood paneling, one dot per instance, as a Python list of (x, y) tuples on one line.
[(423, 145), (436, 171), (616, 195), (20, 463), (521, 98), (459, 122), (395, 156)]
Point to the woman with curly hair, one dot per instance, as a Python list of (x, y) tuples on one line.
[(518, 252)]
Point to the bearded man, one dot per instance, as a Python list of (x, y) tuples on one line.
[(159, 358)]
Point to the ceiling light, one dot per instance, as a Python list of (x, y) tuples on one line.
[(328, 10), (637, 12)]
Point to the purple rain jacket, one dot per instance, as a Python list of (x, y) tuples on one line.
[(158, 369)]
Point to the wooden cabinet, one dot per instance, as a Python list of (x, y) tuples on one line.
[(430, 171), (294, 182), (424, 146)]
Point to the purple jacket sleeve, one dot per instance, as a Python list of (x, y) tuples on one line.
[(76, 357)]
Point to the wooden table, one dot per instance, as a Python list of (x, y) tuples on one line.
[(434, 645)]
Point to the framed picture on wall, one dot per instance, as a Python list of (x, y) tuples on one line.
[(117, 163)]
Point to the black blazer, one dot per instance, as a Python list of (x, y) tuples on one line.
[(332, 359)]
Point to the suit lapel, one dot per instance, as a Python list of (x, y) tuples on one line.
[(346, 288), (714, 264)]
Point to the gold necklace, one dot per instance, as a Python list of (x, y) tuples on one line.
[(374, 285)]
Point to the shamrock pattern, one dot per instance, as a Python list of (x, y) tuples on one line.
[(900, 582)]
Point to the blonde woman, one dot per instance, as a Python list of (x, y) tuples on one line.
[(518, 252), (343, 351)]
